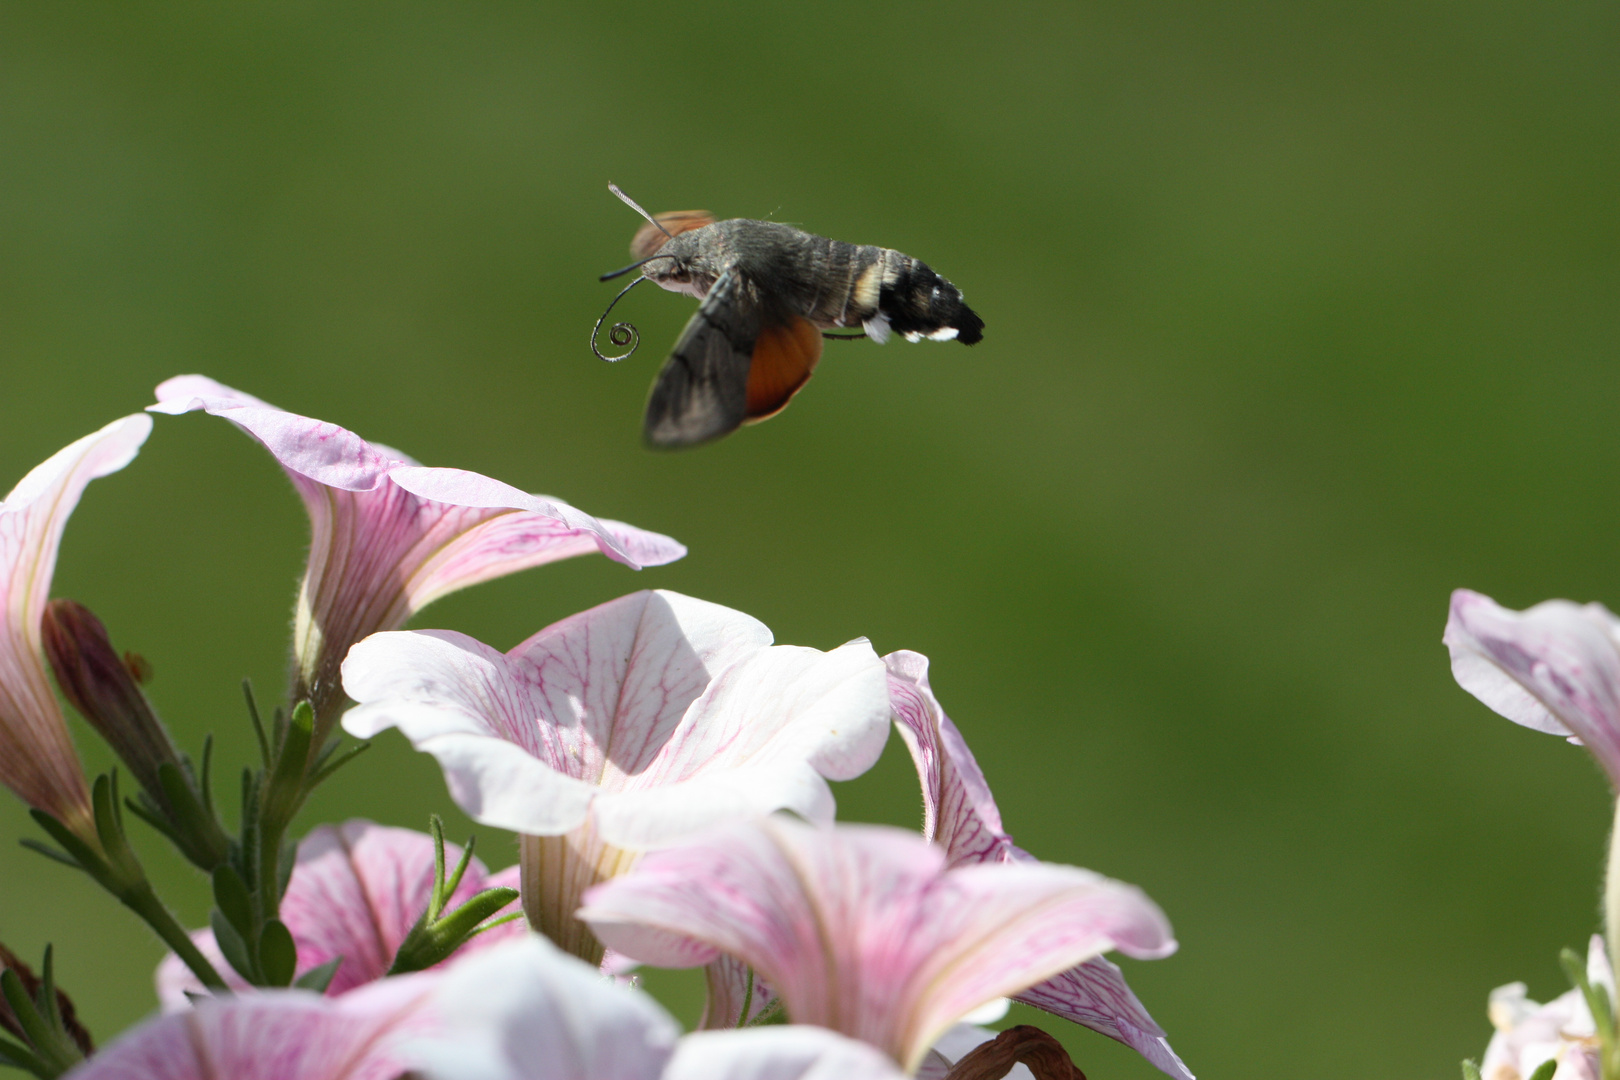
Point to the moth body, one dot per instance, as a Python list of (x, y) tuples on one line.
[(768, 291)]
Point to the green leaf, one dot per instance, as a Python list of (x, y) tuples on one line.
[(20, 1057), (50, 853), (319, 978), (234, 947), (23, 1008), (258, 725), (82, 854), (1546, 1070), (278, 955), (233, 900)]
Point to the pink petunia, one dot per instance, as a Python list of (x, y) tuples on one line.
[(624, 728), (864, 929), (37, 760), (389, 536)]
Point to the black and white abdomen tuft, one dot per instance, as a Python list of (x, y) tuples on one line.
[(917, 303)]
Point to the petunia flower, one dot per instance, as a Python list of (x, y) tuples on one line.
[(555, 1018), (389, 536), (1554, 667), (960, 815), (356, 891), (37, 760), (865, 929), (1528, 1034), (624, 728)]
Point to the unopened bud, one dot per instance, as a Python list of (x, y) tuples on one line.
[(96, 679)]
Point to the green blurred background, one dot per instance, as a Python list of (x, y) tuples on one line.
[(1299, 316)]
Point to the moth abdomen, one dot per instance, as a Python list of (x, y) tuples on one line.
[(917, 303)]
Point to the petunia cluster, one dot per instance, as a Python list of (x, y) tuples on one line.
[(664, 764)]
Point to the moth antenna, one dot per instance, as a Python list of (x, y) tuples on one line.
[(632, 204), (622, 333), (611, 274)]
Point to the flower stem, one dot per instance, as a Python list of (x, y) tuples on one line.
[(145, 903)]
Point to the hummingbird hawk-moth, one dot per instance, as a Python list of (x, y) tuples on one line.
[(768, 292)]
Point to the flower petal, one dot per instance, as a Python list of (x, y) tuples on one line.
[(793, 1052), (459, 700), (863, 930), (960, 814), (1554, 667), (274, 1035), (664, 713), (36, 755), (526, 1010), (762, 737)]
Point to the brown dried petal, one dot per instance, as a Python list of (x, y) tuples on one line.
[(1025, 1043)]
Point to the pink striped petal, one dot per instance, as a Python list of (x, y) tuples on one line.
[(863, 929), (276, 1035), (960, 814), (356, 891), (389, 535), (792, 1052), (37, 760), (649, 717), (1554, 667)]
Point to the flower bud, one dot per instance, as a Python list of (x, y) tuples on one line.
[(94, 677)]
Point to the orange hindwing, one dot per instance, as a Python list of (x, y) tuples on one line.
[(784, 357)]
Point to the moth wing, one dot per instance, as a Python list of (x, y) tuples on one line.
[(649, 238), (785, 355), (701, 392)]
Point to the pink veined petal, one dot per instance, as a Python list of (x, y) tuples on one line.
[(762, 737), (458, 699), (37, 760), (1554, 667), (610, 685), (553, 1018), (355, 892), (664, 712), (863, 929), (792, 1052), (514, 541), (960, 814), (275, 1035)]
